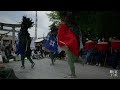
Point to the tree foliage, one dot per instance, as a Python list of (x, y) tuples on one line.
[(26, 22), (93, 23), (83, 21)]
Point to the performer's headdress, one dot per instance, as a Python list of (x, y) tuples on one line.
[(27, 22)]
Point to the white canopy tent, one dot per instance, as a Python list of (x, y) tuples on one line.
[(39, 40), (32, 46)]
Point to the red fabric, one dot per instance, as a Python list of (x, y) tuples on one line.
[(89, 45), (115, 45), (69, 38), (102, 47)]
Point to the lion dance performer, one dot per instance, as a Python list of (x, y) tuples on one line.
[(69, 38), (25, 41)]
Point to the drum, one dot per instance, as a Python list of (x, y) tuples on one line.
[(115, 45), (89, 45), (102, 46)]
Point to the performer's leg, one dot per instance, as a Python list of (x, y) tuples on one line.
[(87, 57), (52, 61), (71, 60), (52, 57), (42, 54), (29, 58), (72, 67), (22, 60), (31, 61)]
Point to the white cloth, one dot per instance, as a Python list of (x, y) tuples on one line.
[(32, 45), (1, 60), (14, 54)]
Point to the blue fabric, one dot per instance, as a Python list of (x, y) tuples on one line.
[(50, 43), (19, 49)]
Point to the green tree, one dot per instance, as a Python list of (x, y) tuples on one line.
[(86, 20), (93, 23)]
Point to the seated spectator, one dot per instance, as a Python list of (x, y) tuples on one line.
[(3, 56), (41, 52), (6, 73), (8, 54), (46, 52), (34, 54)]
